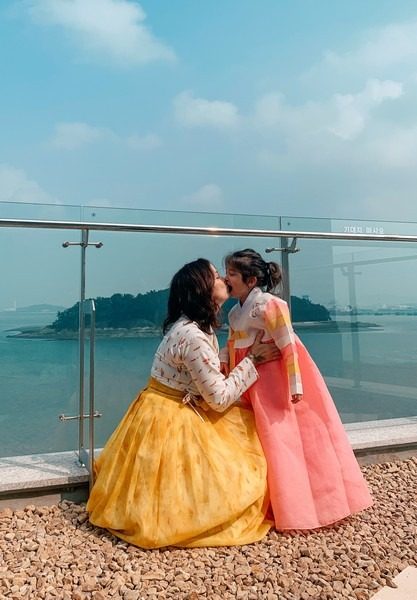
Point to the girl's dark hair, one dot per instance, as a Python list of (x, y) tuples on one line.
[(250, 263), (190, 294)]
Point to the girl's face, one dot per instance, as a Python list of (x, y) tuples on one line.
[(220, 293), (237, 287)]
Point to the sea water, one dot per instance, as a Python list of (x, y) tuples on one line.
[(39, 378)]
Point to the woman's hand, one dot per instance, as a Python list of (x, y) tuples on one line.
[(296, 398), (262, 352)]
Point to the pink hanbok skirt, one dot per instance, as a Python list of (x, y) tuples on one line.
[(314, 478)]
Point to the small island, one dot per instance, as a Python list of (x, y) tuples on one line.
[(129, 316)]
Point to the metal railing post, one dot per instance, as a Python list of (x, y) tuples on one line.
[(84, 244), (285, 263), (92, 312), (85, 307)]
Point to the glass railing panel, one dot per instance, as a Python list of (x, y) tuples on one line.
[(180, 218), (38, 370), (367, 350), (373, 227), (306, 224), (356, 226), (39, 212)]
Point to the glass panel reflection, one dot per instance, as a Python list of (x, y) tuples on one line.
[(39, 212), (38, 369), (368, 350)]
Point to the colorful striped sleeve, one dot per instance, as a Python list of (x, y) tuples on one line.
[(278, 324)]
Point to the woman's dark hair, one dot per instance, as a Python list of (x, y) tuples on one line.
[(250, 263), (190, 294)]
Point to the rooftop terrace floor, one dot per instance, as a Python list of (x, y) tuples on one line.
[(53, 552)]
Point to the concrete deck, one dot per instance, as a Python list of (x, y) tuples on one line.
[(406, 590)]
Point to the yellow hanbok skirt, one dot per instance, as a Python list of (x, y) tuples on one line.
[(168, 476)]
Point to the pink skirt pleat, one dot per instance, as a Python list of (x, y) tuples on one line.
[(314, 478)]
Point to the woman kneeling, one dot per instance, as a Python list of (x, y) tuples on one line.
[(185, 467)]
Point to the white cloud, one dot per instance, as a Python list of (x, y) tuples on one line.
[(381, 48), (74, 135), (145, 142), (209, 197), (394, 148), (343, 115), (353, 150), (110, 30), (353, 110), (16, 186), (344, 156), (388, 52), (270, 110), (70, 136), (199, 112)]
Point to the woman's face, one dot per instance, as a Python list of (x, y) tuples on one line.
[(237, 287), (219, 293)]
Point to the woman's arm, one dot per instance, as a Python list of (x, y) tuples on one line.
[(203, 364)]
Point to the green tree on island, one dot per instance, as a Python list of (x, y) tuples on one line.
[(149, 309)]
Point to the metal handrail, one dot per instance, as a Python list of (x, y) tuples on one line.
[(268, 233)]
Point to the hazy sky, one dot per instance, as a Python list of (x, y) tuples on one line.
[(280, 106), (283, 107)]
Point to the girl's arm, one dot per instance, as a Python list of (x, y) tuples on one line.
[(278, 324)]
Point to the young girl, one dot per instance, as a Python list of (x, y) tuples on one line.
[(313, 476)]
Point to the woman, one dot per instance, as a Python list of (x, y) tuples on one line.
[(176, 471)]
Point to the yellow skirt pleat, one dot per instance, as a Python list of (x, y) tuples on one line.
[(165, 477)]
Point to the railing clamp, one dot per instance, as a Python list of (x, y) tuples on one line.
[(96, 415), (82, 244), (291, 249)]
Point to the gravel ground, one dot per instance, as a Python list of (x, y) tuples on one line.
[(54, 552)]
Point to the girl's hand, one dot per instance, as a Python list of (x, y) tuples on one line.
[(224, 369), (262, 352), (296, 398)]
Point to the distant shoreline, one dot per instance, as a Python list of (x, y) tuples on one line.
[(334, 326), (47, 333)]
